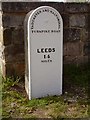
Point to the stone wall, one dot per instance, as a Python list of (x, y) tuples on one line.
[(76, 19), (2, 61)]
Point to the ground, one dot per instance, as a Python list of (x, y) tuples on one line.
[(73, 103)]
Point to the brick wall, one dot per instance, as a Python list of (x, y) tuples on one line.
[(76, 19)]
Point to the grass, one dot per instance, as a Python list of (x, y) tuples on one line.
[(72, 104)]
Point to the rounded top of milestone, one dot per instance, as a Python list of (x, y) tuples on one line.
[(44, 19)]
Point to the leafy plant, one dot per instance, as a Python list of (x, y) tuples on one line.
[(9, 81)]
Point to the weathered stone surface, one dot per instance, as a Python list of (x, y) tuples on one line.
[(16, 69), (1, 34), (76, 7), (75, 59), (1, 28), (65, 18), (87, 48), (7, 36), (15, 59), (72, 34), (70, 59), (77, 20), (88, 36), (89, 7), (73, 49), (18, 36), (13, 36), (82, 60), (88, 22), (3, 68), (0, 18), (84, 35), (14, 49), (28, 6), (1, 50), (13, 20)]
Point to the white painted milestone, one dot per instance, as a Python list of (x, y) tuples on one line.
[(43, 52)]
